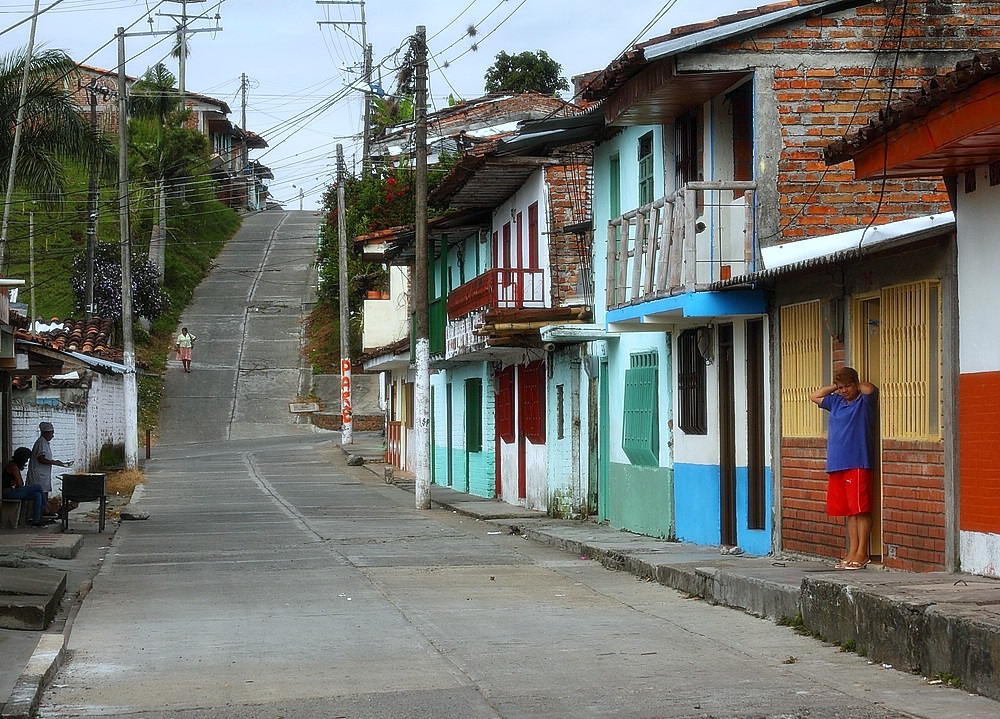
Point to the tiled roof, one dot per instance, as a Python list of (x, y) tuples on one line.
[(72, 335), (93, 338)]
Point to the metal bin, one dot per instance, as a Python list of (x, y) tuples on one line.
[(89, 487)]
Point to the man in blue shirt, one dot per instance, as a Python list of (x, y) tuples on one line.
[(850, 455)]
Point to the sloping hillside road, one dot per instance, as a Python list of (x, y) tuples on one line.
[(273, 581)]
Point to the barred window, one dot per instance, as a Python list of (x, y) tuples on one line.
[(910, 400), (801, 368), (691, 385)]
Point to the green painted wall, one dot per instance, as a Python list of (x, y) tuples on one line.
[(641, 500)]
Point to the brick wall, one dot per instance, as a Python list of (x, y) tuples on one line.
[(805, 525), (832, 89), (569, 253), (913, 511), (913, 508)]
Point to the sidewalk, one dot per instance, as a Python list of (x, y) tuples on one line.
[(44, 574), (938, 625)]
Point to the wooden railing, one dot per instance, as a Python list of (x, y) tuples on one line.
[(665, 247), (501, 287)]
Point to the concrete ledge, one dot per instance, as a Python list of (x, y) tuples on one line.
[(44, 663), (31, 597), (963, 645)]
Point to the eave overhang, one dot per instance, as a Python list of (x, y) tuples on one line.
[(486, 181), (397, 245), (685, 308), (643, 86)]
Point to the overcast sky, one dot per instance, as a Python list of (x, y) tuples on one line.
[(301, 73)]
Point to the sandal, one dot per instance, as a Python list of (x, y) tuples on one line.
[(854, 566)]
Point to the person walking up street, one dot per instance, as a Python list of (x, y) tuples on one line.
[(850, 453), (185, 343), (15, 488), (40, 468)]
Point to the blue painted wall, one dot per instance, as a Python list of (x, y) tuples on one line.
[(696, 492)]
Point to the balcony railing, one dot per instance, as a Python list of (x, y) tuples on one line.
[(702, 233), (503, 287)]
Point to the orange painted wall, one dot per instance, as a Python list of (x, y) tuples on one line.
[(979, 451)]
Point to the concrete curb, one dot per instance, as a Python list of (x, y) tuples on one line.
[(43, 665)]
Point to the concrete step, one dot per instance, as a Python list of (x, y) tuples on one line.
[(30, 597)]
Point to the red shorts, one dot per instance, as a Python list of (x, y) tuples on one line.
[(849, 492)]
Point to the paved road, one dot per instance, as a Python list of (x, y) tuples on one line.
[(272, 580)]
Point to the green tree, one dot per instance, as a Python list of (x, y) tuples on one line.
[(54, 131), (162, 149), (525, 72)]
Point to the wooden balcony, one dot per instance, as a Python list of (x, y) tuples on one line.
[(501, 288), (701, 234)]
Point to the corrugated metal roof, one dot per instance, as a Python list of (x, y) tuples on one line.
[(845, 246), (726, 27)]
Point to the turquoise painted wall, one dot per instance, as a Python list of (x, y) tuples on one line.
[(482, 481), (479, 478), (640, 500), (696, 493)]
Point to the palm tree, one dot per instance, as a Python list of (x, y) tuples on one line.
[(161, 147), (54, 129)]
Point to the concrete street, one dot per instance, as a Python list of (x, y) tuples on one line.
[(273, 580)]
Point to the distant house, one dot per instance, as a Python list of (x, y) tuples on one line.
[(463, 249), (241, 180), (68, 373)]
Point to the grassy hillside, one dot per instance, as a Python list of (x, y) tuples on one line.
[(198, 228)]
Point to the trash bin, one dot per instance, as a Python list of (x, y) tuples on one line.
[(88, 487)]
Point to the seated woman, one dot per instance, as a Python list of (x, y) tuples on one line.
[(14, 487)]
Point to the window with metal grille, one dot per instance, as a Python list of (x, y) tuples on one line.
[(640, 433), (692, 392), (910, 401), (474, 415), (505, 404), (646, 184), (532, 401), (802, 368)]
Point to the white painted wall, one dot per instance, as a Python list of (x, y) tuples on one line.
[(388, 321), (978, 259)]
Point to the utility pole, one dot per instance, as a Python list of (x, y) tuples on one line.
[(93, 89), (244, 151), (366, 156), (18, 123), (128, 345), (346, 412), (158, 241), (31, 279), (367, 50), (422, 389), (182, 33)]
